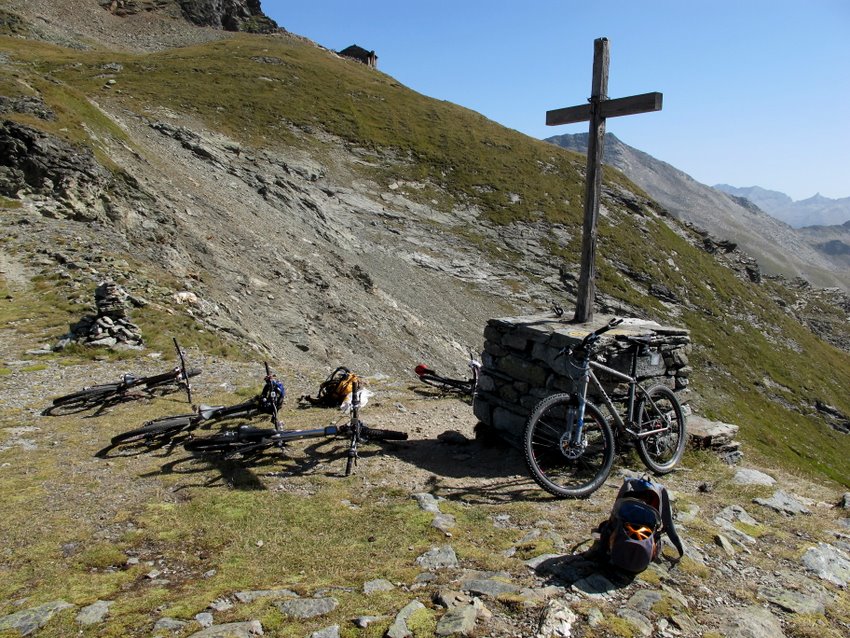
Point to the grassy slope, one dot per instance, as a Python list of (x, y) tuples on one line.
[(469, 159)]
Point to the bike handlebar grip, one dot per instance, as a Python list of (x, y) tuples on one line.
[(385, 435), (616, 321)]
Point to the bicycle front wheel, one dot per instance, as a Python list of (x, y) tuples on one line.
[(557, 467), (661, 429), (156, 430)]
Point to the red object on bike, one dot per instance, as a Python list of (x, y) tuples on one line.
[(421, 369)]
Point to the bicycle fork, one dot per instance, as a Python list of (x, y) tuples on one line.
[(356, 426), (572, 441)]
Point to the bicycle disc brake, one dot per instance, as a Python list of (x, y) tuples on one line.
[(569, 449)]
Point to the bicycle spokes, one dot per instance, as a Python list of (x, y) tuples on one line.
[(661, 430), (562, 462)]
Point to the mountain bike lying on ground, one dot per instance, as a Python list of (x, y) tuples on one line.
[(129, 387), (447, 384), (247, 441), (570, 446), (268, 401)]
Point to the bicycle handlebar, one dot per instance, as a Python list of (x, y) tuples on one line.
[(593, 336)]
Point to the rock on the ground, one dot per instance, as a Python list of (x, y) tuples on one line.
[(379, 584), (748, 622), (458, 621), (249, 629), (327, 632), (438, 558), (308, 607), (94, 613), (28, 621), (399, 627), (829, 563), (749, 476), (783, 503), (557, 620)]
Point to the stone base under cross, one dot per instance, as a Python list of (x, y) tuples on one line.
[(521, 364)]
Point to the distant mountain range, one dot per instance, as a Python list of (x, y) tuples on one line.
[(814, 211), (821, 255)]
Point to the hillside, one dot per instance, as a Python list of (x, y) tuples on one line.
[(261, 198), (778, 248)]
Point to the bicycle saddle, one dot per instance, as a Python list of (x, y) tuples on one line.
[(208, 411), (423, 369)]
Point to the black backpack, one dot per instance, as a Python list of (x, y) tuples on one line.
[(631, 537)]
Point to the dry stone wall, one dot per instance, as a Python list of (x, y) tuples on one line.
[(522, 364)]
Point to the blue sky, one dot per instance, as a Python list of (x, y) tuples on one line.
[(756, 92)]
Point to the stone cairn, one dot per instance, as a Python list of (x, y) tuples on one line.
[(111, 325), (522, 365)]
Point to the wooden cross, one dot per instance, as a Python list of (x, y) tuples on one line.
[(598, 108)]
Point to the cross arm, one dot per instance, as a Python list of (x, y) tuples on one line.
[(631, 105)]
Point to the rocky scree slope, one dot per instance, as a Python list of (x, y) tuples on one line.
[(814, 211), (133, 25)]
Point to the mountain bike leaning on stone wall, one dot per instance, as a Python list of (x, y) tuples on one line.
[(129, 387), (268, 401), (570, 445), (247, 441)]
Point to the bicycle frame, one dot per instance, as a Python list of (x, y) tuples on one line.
[(634, 387)]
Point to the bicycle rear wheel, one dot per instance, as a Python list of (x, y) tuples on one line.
[(446, 384), (553, 465), (156, 430), (84, 399), (659, 412)]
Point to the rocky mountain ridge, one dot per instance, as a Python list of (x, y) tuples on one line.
[(778, 248), (814, 211), (134, 25), (230, 15)]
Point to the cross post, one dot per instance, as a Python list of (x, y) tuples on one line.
[(599, 108)]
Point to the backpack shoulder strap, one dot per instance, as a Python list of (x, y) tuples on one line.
[(667, 521)]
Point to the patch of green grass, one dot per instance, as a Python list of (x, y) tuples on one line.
[(810, 626), (101, 555), (35, 367), (6, 202), (616, 626), (40, 311), (292, 539), (159, 327), (422, 623)]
